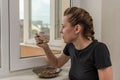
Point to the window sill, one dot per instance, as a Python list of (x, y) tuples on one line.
[(32, 50), (29, 75)]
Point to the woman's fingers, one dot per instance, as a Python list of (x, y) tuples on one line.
[(41, 39), (38, 40), (46, 41), (39, 45), (37, 35), (43, 45)]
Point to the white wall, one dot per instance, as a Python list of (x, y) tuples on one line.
[(94, 8), (111, 32), (75, 3)]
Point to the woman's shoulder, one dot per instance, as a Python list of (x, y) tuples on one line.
[(99, 43), (101, 46)]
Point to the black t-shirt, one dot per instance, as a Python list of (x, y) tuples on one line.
[(86, 62)]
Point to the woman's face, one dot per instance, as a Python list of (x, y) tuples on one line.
[(67, 31)]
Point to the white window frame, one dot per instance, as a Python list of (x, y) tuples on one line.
[(27, 21), (17, 63), (4, 69), (54, 22)]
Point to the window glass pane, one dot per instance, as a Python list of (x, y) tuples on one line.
[(40, 17), (34, 18)]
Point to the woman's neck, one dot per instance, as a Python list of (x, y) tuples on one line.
[(81, 43)]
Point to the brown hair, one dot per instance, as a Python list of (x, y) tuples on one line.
[(82, 17)]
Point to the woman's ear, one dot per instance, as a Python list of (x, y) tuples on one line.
[(77, 29)]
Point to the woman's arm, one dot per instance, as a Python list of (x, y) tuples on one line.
[(105, 73), (55, 61)]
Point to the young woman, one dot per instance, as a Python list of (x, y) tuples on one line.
[(90, 59)]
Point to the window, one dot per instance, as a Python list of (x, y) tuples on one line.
[(35, 18), (28, 17)]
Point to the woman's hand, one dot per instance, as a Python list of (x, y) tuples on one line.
[(41, 40)]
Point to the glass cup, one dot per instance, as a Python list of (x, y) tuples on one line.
[(44, 37)]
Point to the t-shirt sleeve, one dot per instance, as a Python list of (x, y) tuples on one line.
[(66, 50), (102, 56)]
